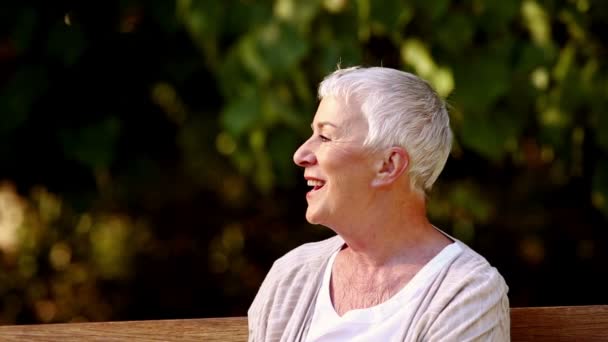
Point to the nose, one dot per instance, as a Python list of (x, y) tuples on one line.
[(304, 156)]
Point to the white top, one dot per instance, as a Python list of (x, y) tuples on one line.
[(381, 322), (465, 300)]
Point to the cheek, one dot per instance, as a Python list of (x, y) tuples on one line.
[(336, 163), (349, 168)]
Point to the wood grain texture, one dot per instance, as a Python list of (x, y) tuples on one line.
[(560, 323), (231, 329), (540, 324)]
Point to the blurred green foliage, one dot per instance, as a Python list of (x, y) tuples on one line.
[(146, 146)]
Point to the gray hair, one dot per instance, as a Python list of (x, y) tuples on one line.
[(401, 110)]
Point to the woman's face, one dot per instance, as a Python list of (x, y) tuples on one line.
[(336, 165)]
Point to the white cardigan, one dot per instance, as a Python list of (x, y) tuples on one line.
[(465, 301)]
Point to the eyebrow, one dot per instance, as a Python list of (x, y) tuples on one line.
[(321, 124)]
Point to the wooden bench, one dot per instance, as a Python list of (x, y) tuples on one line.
[(560, 323), (565, 323)]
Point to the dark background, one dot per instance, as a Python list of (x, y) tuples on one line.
[(145, 146)]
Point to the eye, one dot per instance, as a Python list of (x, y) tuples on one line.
[(324, 138)]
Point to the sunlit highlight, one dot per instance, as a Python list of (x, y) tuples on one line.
[(537, 22), (540, 78), (12, 209), (334, 6), (225, 144), (416, 54)]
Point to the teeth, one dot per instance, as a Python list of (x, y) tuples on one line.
[(315, 182)]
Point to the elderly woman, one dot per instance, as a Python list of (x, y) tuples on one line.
[(380, 139)]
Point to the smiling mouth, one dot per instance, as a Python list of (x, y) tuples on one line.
[(316, 184)]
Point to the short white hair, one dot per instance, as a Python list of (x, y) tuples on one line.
[(401, 109)]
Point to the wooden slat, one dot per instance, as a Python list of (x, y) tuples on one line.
[(560, 323), (540, 324), (231, 329)]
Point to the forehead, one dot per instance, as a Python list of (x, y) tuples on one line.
[(336, 112)]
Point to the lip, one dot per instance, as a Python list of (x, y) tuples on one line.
[(313, 178), (313, 190)]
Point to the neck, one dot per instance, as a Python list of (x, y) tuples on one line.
[(400, 232)]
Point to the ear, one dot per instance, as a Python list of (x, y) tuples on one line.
[(393, 164)]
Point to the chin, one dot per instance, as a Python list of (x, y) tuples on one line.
[(312, 217), (322, 218)]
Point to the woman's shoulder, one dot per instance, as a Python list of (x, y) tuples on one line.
[(471, 259), (466, 258), (470, 301), (309, 253), (471, 269)]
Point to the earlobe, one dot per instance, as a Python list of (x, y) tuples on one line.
[(393, 165)]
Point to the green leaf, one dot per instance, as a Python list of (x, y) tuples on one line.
[(481, 135), (435, 9), (343, 52), (497, 15), (456, 33), (280, 47), (241, 113), (282, 143), (481, 82), (531, 56), (243, 17), (270, 52), (390, 15), (337, 43), (491, 134), (202, 18), (233, 77), (297, 13)]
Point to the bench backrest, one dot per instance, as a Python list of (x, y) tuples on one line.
[(566, 323), (560, 323)]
